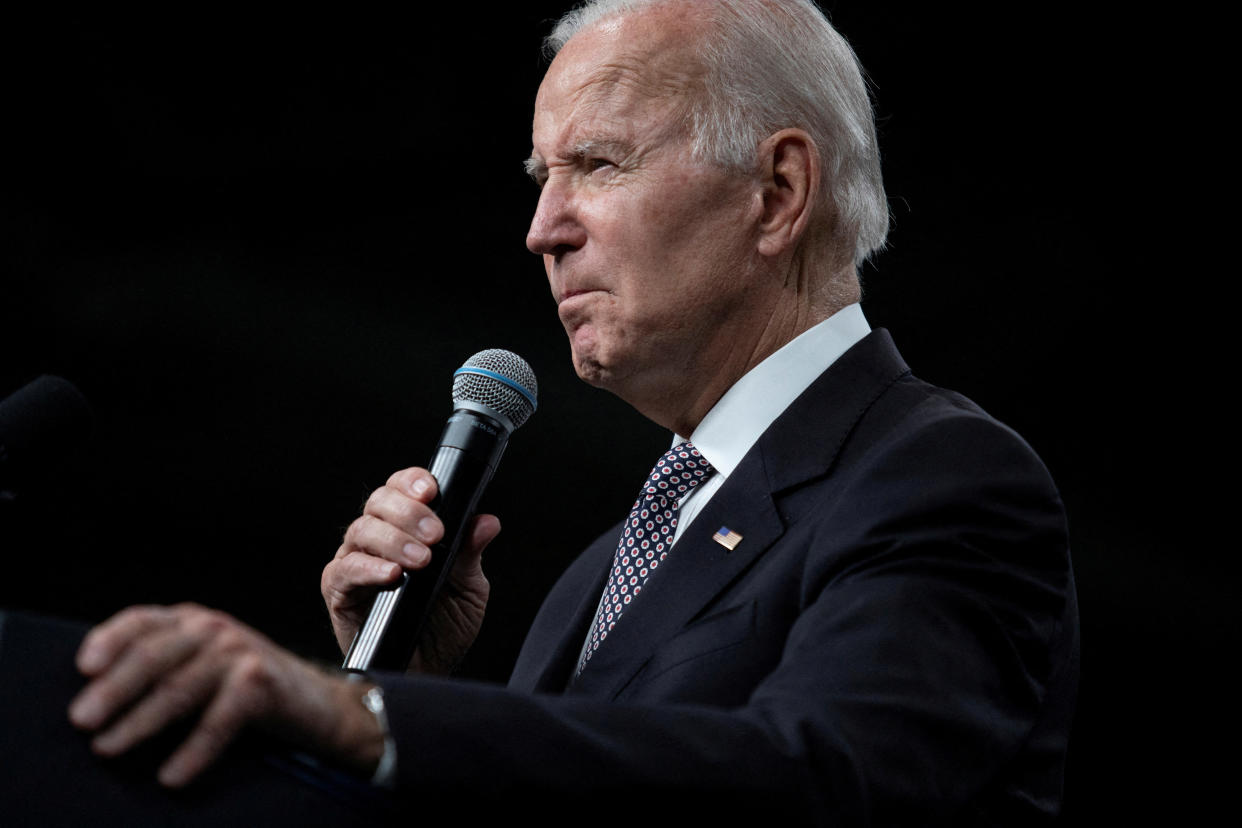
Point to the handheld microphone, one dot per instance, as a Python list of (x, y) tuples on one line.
[(494, 393)]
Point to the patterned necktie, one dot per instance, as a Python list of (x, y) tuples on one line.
[(647, 536)]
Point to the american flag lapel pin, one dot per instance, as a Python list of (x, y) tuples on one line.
[(727, 538)]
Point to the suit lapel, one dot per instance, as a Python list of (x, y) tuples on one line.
[(550, 652), (803, 443), (800, 446), (696, 570)]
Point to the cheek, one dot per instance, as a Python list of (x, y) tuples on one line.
[(701, 224)]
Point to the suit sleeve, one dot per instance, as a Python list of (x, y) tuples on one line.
[(927, 673)]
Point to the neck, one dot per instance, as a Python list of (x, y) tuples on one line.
[(681, 398)]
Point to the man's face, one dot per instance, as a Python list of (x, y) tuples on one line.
[(648, 252)]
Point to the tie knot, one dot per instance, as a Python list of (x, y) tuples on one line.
[(677, 472)]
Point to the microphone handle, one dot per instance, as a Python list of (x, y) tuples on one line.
[(469, 450)]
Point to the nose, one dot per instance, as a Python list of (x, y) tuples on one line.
[(556, 227)]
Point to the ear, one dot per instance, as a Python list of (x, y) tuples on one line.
[(789, 167)]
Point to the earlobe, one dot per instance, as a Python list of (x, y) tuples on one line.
[(791, 171)]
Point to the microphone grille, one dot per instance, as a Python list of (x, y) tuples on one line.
[(500, 380)]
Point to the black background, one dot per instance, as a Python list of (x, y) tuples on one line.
[(261, 245)]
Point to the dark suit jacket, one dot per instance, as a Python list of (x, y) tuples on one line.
[(894, 641)]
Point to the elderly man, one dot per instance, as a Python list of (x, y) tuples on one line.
[(853, 601)]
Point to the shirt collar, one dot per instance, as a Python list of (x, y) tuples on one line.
[(746, 410)]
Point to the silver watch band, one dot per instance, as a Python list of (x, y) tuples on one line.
[(386, 772)]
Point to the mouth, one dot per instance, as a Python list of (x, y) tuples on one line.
[(570, 294)]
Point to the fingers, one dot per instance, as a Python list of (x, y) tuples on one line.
[(396, 531), (174, 696), (409, 514), (132, 651), (397, 524), (358, 569), (143, 662), (243, 698), (123, 656), (153, 666), (103, 644), (418, 482), (347, 583)]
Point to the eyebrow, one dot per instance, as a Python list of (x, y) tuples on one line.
[(537, 168)]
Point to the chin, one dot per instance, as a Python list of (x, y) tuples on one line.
[(584, 350), (591, 371)]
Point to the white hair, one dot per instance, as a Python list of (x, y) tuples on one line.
[(771, 65)]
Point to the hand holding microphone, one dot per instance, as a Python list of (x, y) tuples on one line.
[(406, 587), (386, 541)]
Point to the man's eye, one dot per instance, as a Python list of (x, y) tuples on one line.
[(598, 163)]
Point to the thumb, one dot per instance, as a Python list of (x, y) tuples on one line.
[(483, 530)]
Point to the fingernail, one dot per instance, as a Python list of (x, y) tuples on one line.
[(420, 486), (84, 712), (90, 659), (414, 554), (171, 775), (105, 744), (427, 528)]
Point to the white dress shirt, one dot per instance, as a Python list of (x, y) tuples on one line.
[(746, 410)]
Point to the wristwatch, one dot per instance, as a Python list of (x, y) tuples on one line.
[(386, 771)]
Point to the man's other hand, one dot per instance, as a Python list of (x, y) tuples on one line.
[(149, 667), (397, 530)]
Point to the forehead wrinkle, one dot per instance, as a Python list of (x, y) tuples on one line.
[(633, 75), (643, 63), (613, 98)]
